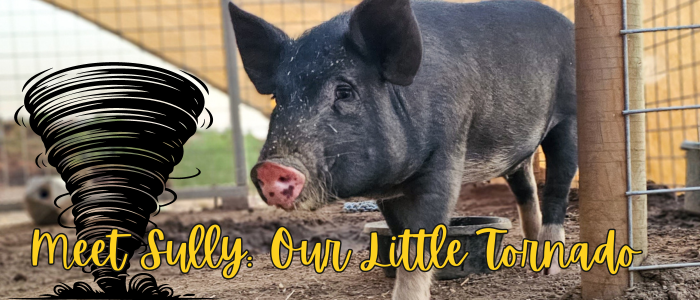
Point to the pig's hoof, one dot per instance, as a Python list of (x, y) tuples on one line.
[(554, 270)]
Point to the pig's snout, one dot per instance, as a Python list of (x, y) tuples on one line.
[(279, 185)]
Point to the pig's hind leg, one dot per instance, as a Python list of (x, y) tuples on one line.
[(522, 183), (560, 150)]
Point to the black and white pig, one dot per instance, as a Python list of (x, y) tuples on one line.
[(404, 101)]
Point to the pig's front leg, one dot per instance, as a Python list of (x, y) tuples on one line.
[(408, 285), (426, 203)]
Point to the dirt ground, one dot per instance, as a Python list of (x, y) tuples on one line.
[(673, 237)]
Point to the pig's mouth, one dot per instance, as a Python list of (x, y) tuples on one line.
[(287, 184)]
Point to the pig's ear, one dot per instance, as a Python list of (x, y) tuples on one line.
[(387, 31), (260, 44)]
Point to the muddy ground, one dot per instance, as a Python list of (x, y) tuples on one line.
[(673, 237)]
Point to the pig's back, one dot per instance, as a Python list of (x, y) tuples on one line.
[(500, 66)]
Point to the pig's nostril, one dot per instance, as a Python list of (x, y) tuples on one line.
[(284, 179), (289, 191), (272, 194)]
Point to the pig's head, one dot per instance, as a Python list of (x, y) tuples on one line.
[(338, 129)]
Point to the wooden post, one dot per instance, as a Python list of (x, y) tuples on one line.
[(635, 45), (602, 136)]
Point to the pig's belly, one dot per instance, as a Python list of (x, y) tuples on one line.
[(480, 168)]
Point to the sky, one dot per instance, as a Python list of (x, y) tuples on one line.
[(35, 36)]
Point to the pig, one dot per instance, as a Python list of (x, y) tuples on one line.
[(404, 101)]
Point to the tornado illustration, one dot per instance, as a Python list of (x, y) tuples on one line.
[(114, 132)]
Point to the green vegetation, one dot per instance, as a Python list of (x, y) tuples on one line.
[(212, 152)]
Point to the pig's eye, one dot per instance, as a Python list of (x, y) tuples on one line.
[(343, 93)]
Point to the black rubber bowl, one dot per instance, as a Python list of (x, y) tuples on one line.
[(460, 228)]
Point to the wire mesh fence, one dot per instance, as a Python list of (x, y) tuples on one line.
[(673, 107), (187, 34), (671, 60), (35, 36), (671, 79)]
